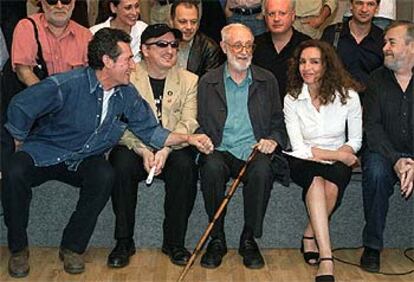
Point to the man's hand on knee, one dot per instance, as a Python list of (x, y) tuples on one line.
[(402, 166), (407, 182), (266, 146)]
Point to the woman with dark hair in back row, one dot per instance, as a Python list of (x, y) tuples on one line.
[(324, 123), (124, 15)]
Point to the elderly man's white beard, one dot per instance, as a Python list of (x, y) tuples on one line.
[(237, 65)]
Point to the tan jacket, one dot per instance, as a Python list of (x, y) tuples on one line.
[(306, 8), (179, 104), (309, 8)]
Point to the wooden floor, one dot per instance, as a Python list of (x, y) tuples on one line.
[(151, 265)]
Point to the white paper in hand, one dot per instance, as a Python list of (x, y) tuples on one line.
[(150, 176)]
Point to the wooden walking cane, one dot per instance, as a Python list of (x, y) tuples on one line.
[(218, 213)]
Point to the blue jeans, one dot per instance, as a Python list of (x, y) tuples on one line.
[(378, 180), (256, 25)]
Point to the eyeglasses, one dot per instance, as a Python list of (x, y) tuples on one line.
[(164, 44), (238, 47), (54, 2)]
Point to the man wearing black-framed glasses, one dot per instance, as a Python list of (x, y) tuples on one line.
[(171, 92)]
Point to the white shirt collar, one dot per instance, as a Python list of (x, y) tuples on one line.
[(304, 94)]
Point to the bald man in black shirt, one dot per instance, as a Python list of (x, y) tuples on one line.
[(275, 47)]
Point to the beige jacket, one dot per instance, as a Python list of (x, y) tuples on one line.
[(309, 8), (179, 104)]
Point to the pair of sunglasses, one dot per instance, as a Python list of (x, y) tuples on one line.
[(54, 2), (164, 44)]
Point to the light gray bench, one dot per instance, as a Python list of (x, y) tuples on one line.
[(53, 202)]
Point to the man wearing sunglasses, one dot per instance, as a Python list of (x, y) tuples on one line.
[(239, 108), (80, 114), (63, 42), (171, 93)]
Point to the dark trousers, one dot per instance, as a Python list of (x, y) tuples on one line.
[(94, 176), (378, 180), (180, 177), (10, 86), (215, 171), (6, 147)]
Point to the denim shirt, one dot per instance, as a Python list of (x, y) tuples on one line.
[(58, 119)]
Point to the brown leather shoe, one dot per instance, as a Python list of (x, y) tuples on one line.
[(19, 264), (72, 262)]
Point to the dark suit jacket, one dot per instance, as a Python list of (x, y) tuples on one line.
[(264, 108)]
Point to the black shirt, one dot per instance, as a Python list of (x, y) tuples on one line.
[(266, 56), (157, 86), (388, 116), (359, 59)]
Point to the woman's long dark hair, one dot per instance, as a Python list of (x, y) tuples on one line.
[(334, 78)]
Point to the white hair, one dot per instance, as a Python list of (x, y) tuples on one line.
[(225, 32)]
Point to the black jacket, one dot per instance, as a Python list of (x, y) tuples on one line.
[(204, 55), (265, 111), (264, 106), (386, 116)]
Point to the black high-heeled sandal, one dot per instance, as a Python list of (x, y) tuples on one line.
[(308, 256), (326, 277)]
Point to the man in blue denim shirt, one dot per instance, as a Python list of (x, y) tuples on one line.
[(62, 127)]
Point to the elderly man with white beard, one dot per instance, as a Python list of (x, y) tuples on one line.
[(239, 108)]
